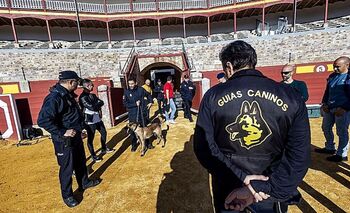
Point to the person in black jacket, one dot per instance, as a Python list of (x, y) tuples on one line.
[(248, 127), (60, 115), (336, 110), (187, 90), (137, 102), (159, 94), (91, 106), (287, 77)]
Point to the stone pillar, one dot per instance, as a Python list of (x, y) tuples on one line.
[(106, 113), (205, 85)]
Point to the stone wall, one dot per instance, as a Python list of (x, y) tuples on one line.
[(307, 47), (45, 64)]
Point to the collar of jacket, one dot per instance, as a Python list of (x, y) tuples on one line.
[(58, 88), (247, 72)]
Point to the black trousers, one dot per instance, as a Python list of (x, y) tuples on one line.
[(187, 109), (160, 106), (71, 157), (91, 129)]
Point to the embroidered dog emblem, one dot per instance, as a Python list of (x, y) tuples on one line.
[(250, 127)]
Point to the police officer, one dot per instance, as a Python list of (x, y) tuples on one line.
[(137, 102), (252, 125), (159, 94), (91, 106), (187, 90), (60, 115)]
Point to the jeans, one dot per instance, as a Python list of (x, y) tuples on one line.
[(342, 124), (173, 110), (91, 129)]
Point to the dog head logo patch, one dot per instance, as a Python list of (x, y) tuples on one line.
[(250, 127)]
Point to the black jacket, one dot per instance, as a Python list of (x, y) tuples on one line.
[(254, 125), (60, 112), (346, 86), (186, 92), (91, 102), (129, 100), (159, 92)]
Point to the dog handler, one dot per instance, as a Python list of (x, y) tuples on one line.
[(248, 127), (137, 101), (60, 115)]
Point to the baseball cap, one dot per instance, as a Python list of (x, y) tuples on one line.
[(68, 74), (220, 75)]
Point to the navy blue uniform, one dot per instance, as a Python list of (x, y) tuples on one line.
[(137, 114), (59, 113), (187, 90), (253, 125)]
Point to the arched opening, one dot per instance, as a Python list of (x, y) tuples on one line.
[(161, 70)]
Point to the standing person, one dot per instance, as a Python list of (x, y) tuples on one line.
[(287, 77), (187, 90), (91, 106), (221, 77), (148, 89), (169, 100), (60, 115), (249, 126), (136, 101), (335, 110), (159, 94)]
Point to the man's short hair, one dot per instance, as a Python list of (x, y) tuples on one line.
[(132, 79), (239, 54), (85, 82), (169, 78)]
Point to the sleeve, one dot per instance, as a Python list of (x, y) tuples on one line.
[(205, 147), (147, 96), (283, 182), (305, 92), (346, 106), (326, 92), (182, 89), (48, 115), (86, 103)]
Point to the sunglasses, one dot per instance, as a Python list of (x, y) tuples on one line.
[(285, 73)]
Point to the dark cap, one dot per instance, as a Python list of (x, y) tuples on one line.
[(68, 74), (220, 75)]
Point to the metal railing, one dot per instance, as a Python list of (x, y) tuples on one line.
[(3, 3), (195, 4), (27, 4), (146, 6), (60, 5), (216, 3), (170, 5), (119, 8)]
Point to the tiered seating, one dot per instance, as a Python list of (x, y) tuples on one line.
[(316, 25)]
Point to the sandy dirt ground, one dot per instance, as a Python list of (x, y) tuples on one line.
[(165, 180)]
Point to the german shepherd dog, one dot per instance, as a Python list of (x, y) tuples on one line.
[(143, 133)]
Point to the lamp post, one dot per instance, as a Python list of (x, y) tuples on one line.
[(78, 24)]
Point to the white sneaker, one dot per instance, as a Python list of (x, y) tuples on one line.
[(172, 122)]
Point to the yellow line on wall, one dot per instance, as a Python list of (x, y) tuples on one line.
[(10, 89)]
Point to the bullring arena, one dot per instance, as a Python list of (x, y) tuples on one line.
[(109, 41)]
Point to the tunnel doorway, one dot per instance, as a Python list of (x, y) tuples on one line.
[(162, 71)]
